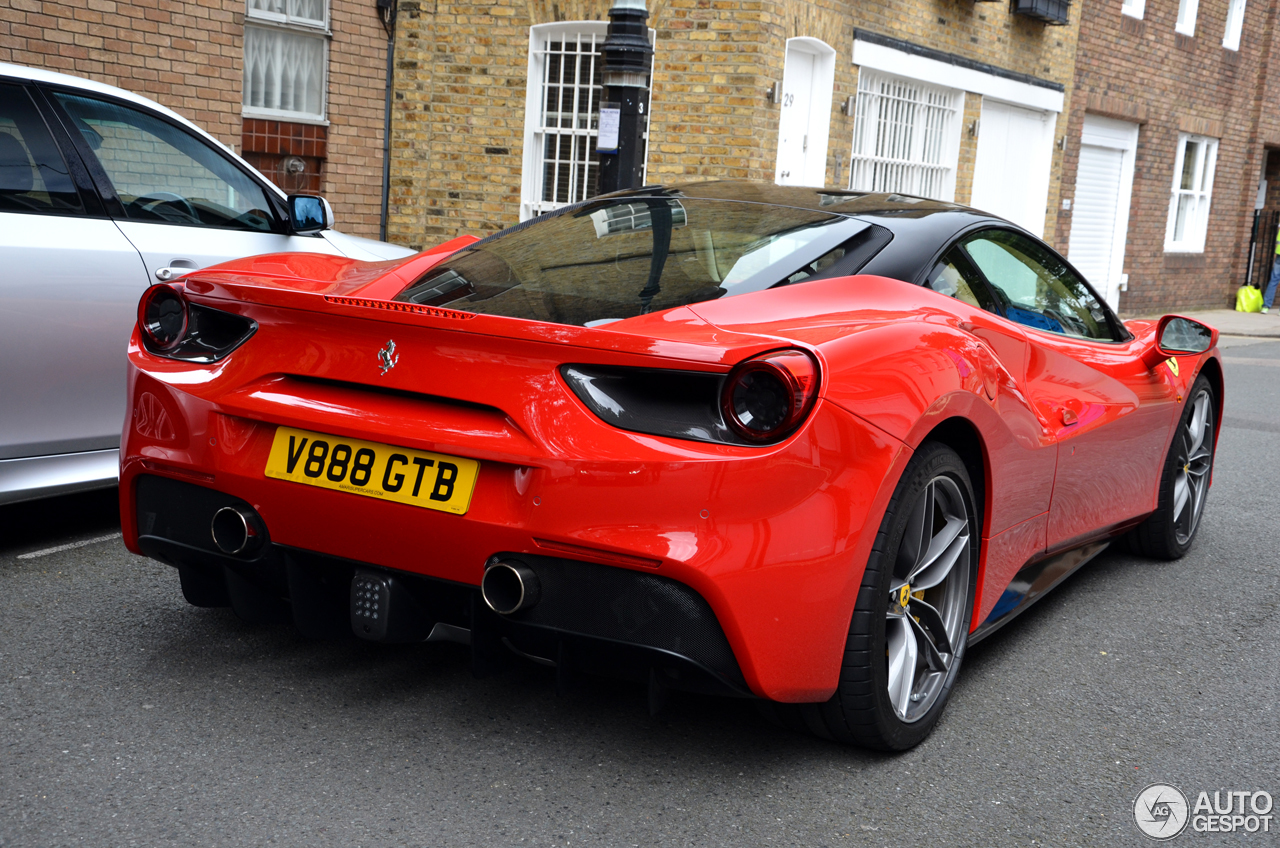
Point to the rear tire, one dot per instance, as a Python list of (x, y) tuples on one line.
[(1169, 532), (901, 660)]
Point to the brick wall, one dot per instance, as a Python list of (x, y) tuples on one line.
[(1143, 72), (984, 32), (357, 97), (461, 75), (458, 117), (190, 57), (187, 56), (290, 155)]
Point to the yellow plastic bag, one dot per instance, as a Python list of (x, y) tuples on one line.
[(1248, 299)]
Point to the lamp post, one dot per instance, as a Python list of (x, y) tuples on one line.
[(628, 59)]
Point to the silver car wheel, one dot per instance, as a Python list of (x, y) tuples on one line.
[(928, 598), (1194, 462)]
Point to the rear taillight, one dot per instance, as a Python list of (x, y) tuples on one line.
[(762, 400), (163, 317), (172, 326), (766, 398)]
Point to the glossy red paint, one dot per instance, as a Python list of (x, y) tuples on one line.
[(774, 537), (1112, 419), (1002, 556)]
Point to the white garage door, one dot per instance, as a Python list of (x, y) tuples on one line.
[(1100, 214), (1011, 174)]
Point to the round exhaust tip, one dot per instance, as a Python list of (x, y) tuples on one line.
[(237, 530), (509, 587)]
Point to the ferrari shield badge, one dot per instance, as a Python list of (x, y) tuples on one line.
[(387, 357)]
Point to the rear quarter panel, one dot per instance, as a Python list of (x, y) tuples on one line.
[(907, 360)]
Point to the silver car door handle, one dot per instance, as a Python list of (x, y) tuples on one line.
[(176, 268)]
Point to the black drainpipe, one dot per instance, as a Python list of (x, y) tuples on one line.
[(387, 12)]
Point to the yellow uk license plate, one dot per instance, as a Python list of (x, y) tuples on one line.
[(417, 478)]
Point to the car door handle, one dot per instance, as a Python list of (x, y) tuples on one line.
[(1069, 416), (966, 326), (175, 268)]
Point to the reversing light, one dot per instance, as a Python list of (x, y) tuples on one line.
[(163, 316), (767, 397)]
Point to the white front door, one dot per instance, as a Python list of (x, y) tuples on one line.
[(1100, 211), (793, 126), (805, 113), (1011, 173)]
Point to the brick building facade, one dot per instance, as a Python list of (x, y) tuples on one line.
[(191, 57), (1086, 122), (1170, 80), (473, 149)]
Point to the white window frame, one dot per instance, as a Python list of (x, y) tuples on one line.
[(288, 19), (1187, 11), (925, 163), (1196, 228), (268, 23), (533, 172), (1235, 24), (1133, 8)]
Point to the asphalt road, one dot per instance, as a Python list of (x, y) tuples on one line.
[(129, 718)]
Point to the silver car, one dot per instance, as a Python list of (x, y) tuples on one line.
[(102, 193)]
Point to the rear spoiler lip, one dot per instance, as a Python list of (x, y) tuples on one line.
[(409, 272), (678, 335), (254, 278)]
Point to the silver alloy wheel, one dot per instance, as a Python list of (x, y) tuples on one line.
[(928, 598), (1195, 460)]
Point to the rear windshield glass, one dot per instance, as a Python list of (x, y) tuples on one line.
[(613, 259)]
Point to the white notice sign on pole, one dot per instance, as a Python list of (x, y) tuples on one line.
[(607, 140)]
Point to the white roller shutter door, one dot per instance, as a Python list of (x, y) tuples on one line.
[(1100, 218), (1093, 225)]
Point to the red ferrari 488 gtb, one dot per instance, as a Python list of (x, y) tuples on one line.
[(798, 445)]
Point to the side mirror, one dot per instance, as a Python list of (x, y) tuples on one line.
[(1179, 336), (309, 213)]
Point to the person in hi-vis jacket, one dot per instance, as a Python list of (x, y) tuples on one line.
[(1269, 296)]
